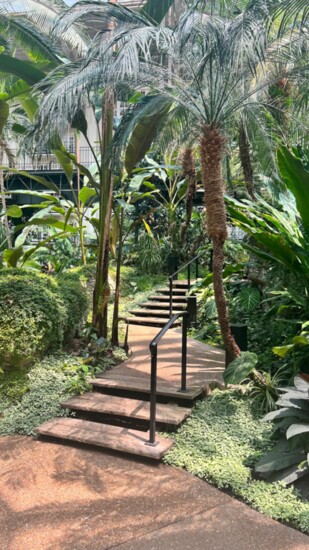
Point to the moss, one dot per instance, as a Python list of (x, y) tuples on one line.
[(221, 442)]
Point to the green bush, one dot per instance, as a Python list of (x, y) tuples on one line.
[(222, 441), (38, 313)]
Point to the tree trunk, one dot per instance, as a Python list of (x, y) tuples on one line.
[(101, 293), (245, 160), (4, 206), (212, 150), (190, 175), (115, 326)]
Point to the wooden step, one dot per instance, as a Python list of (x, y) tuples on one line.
[(155, 312), (132, 384), (163, 298), (150, 321), (176, 291), (124, 407), (183, 283), (105, 436), (162, 305)]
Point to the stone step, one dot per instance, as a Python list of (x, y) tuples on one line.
[(155, 312), (126, 408), (133, 384), (162, 305), (150, 321), (105, 436), (163, 298)]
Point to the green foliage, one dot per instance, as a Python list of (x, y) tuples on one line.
[(221, 442), (292, 421), (49, 382), (37, 314), (149, 254), (239, 369)]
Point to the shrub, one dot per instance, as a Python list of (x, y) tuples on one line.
[(37, 314)]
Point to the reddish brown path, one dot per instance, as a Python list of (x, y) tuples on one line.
[(56, 497), (205, 363)]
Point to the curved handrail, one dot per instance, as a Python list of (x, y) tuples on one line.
[(153, 346)]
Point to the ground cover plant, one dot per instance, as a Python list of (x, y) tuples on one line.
[(222, 441)]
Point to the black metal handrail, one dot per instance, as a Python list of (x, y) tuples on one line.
[(154, 364), (172, 277)]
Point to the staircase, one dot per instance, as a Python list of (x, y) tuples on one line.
[(156, 311), (116, 415), (123, 413)]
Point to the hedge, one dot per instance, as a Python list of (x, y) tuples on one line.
[(38, 314)]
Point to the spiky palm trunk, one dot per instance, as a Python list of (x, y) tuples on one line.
[(245, 159), (212, 150), (190, 175)]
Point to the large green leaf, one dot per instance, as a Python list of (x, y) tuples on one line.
[(297, 429), (240, 368), (48, 221), (278, 460), (14, 211), (85, 194), (11, 256), (46, 183), (144, 133), (156, 10), (22, 69), (65, 163), (297, 180)]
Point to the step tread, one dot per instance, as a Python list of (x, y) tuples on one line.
[(161, 305), (150, 321), (125, 407), (106, 436), (162, 298), (155, 312), (176, 291), (183, 282), (142, 385)]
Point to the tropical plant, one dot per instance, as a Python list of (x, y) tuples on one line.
[(290, 457), (209, 56)]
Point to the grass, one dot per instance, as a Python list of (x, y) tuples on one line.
[(221, 442)]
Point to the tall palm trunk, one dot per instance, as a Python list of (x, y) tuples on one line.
[(3, 202), (245, 159), (101, 293), (115, 325), (212, 150), (190, 175)]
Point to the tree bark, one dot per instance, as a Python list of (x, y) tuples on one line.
[(115, 326), (101, 293), (190, 175), (3, 202), (212, 150), (245, 160)]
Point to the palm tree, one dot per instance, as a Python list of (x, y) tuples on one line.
[(214, 69), (74, 87)]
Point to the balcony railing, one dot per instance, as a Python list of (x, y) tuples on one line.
[(48, 162)]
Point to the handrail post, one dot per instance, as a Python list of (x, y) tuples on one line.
[(153, 394), (184, 353), (171, 296), (196, 268)]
